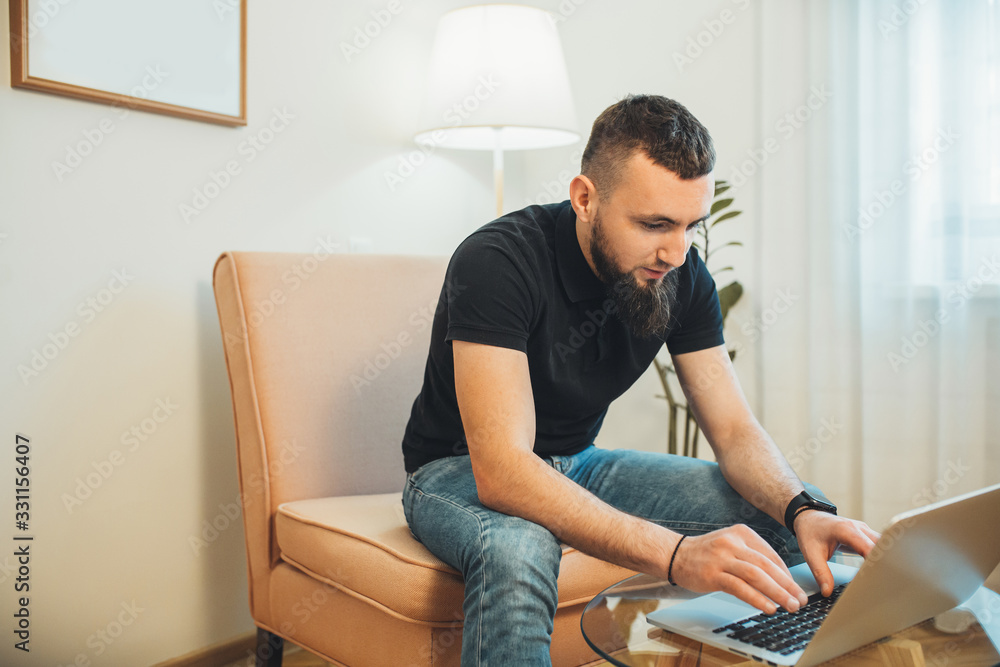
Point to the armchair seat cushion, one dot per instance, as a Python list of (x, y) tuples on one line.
[(363, 546)]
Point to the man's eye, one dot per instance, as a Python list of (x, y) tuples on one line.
[(652, 226), (696, 225)]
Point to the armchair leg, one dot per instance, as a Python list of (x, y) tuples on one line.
[(269, 649)]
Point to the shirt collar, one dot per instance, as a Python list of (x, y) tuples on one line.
[(577, 277)]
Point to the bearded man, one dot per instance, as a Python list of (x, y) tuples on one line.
[(546, 316)]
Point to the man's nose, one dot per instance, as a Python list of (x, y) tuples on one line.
[(673, 250)]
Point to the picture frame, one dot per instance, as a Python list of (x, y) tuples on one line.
[(182, 58)]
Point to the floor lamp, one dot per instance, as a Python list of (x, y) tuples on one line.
[(497, 82)]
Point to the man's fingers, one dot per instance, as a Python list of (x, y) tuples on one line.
[(872, 535), (739, 588), (786, 592), (770, 562), (816, 554), (760, 545), (738, 561), (822, 573), (819, 546), (769, 583), (858, 536)]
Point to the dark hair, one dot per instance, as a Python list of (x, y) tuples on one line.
[(660, 127)]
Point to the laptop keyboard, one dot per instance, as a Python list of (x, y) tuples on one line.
[(783, 632)]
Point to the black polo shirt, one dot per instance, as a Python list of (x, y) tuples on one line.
[(522, 282)]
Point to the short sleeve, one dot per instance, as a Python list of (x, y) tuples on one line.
[(700, 326), (491, 294)]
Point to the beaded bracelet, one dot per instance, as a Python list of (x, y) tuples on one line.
[(670, 568)]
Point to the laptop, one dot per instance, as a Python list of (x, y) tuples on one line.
[(927, 561)]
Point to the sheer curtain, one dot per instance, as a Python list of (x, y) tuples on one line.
[(880, 215)]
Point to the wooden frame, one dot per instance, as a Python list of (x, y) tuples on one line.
[(21, 76)]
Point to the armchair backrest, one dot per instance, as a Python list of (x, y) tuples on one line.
[(325, 355)]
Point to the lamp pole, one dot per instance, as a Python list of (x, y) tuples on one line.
[(498, 169)]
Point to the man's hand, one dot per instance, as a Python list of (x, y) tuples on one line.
[(820, 533), (736, 560), (753, 464)]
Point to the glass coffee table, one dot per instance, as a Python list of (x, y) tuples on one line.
[(614, 624)]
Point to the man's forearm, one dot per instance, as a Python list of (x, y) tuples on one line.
[(755, 467), (749, 459), (525, 486)]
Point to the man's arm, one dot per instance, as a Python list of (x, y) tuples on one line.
[(752, 463), (493, 387)]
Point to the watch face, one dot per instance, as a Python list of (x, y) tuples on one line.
[(805, 501), (821, 504)]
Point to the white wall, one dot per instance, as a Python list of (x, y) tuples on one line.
[(322, 178)]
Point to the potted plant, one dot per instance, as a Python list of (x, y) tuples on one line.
[(728, 296)]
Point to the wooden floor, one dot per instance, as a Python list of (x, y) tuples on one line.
[(918, 646), (293, 657), (297, 657)]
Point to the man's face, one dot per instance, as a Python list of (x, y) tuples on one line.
[(640, 233)]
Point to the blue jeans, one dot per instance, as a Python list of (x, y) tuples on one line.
[(511, 564)]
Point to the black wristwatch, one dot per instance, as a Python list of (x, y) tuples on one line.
[(802, 502)]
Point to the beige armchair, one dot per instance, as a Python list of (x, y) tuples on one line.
[(325, 355)]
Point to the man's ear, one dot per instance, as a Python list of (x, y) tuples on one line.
[(583, 198)]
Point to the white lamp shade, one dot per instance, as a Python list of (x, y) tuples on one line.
[(497, 80)]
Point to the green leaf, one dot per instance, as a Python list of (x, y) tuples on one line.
[(717, 249), (725, 216), (720, 187), (720, 204), (728, 296)]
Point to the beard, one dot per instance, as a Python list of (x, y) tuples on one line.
[(644, 306)]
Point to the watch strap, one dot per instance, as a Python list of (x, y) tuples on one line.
[(802, 502)]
